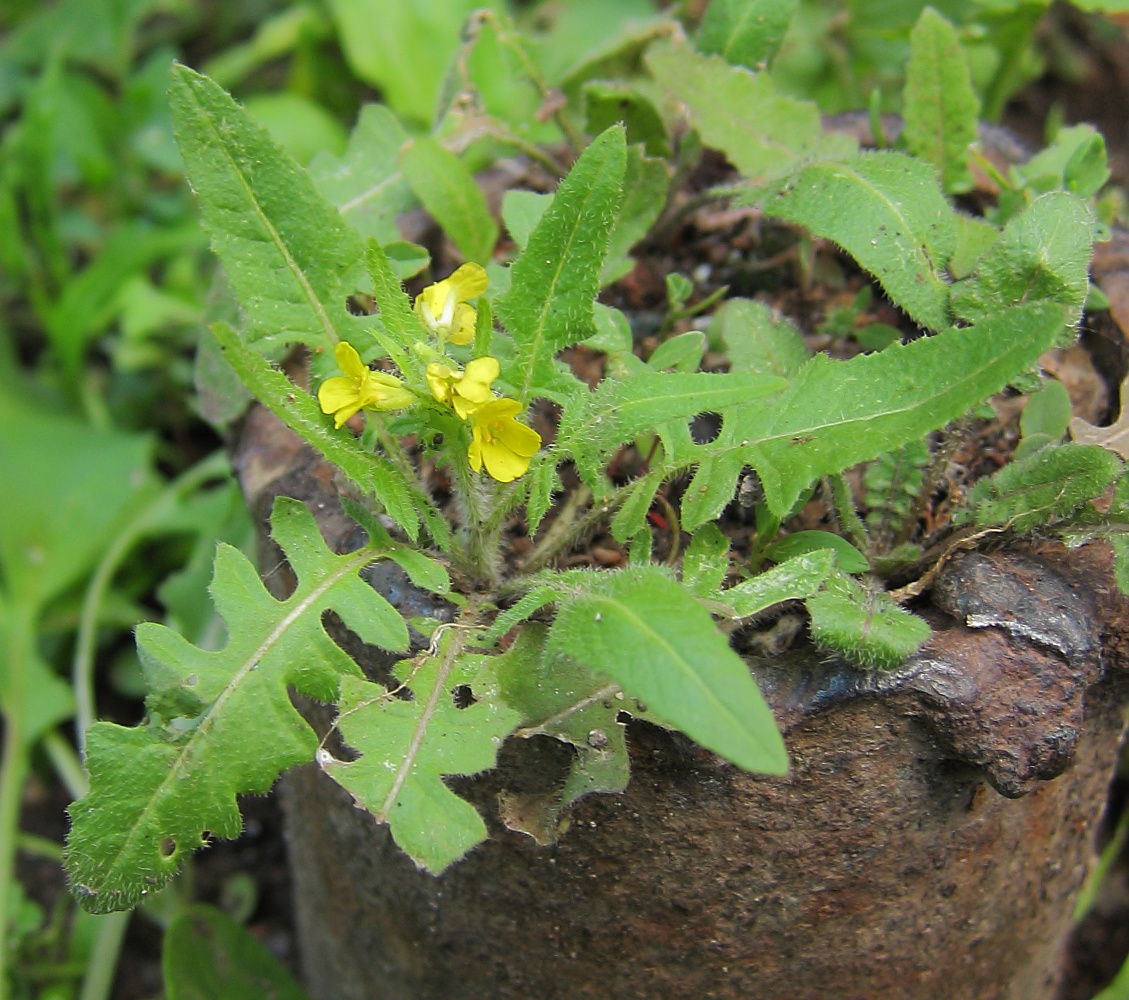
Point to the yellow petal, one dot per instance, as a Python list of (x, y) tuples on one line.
[(470, 280), (464, 324), (474, 452), (521, 440), (336, 393), (483, 370), (502, 464), (439, 381), (348, 360), (497, 408)]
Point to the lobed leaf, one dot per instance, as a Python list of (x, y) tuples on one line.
[(706, 562), (286, 250), (835, 414), (887, 211), (617, 411), (556, 278), (940, 107), (221, 722), (762, 132), (644, 631), (407, 746)]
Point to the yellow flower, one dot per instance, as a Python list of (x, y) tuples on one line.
[(465, 391), (443, 306), (500, 442), (360, 388)]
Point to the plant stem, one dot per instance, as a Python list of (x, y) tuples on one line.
[(479, 551), (839, 492), (82, 669), (15, 765), (99, 978)]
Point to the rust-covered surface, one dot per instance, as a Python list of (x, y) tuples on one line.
[(886, 865)]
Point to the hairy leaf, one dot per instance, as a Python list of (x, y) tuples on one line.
[(448, 190), (287, 252), (887, 211), (762, 132), (644, 631), (631, 518), (1043, 253), (402, 498), (706, 562), (836, 414), (407, 746), (616, 411), (757, 340), (893, 484), (1051, 483), (940, 107), (793, 579), (560, 698), (867, 628), (745, 32), (645, 182), (556, 278), (221, 723), (366, 184)]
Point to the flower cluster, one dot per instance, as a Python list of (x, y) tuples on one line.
[(500, 443)]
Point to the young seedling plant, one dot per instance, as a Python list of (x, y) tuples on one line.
[(434, 411)]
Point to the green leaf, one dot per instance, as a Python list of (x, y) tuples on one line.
[(836, 414), (867, 628), (375, 475), (940, 107), (762, 132), (543, 483), (893, 484), (65, 490), (366, 183), (521, 211), (645, 184), (403, 49), (793, 579), (643, 630), (1075, 161), (706, 562), (745, 32), (448, 190), (1045, 419), (1051, 483), (556, 278), (1043, 253), (560, 698), (682, 353), (607, 102), (221, 723), (848, 558), (287, 252), (757, 340), (407, 747), (299, 125), (208, 956), (631, 518), (887, 211), (595, 424)]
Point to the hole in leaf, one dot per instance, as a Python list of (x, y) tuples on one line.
[(168, 848), (463, 696), (705, 427), (360, 304)]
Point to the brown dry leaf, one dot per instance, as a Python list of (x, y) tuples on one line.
[(1115, 437)]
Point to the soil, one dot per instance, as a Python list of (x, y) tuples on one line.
[(714, 245)]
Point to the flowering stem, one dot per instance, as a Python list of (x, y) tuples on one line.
[(479, 552), (395, 451)]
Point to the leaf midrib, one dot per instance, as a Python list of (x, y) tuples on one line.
[(299, 275)]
